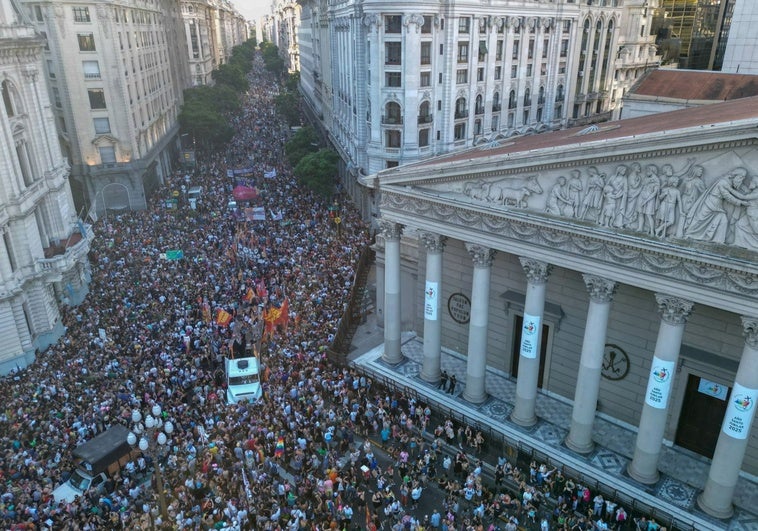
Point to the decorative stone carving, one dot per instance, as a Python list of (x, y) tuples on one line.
[(102, 17), (708, 219), (372, 21), (481, 256), (390, 230), (61, 16), (415, 19), (600, 289), (750, 329), (746, 228), (499, 23), (593, 197), (673, 310), (30, 72), (514, 194), (536, 271), (482, 22), (434, 243), (546, 22)]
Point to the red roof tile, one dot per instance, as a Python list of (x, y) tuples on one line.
[(696, 85)]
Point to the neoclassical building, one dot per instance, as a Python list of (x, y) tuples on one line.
[(612, 265), (394, 83), (43, 247)]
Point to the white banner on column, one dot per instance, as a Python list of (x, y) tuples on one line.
[(431, 295), (659, 383), (740, 410), (530, 334)]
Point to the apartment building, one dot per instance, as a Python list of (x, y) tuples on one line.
[(397, 83)]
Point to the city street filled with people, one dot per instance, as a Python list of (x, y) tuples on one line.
[(324, 448)]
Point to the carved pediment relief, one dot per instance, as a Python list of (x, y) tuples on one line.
[(713, 200), (104, 140)]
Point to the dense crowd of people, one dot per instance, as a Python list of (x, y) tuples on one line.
[(302, 456)]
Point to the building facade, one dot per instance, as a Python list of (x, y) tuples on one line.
[(43, 251), (611, 264), (212, 28), (286, 22), (410, 80), (740, 55)]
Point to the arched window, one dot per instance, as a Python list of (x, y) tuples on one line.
[(424, 114), (496, 102), (512, 100), (10, 108), (392, 113), (527, 98), (541, 97), (559, 93), (460, 108), (479, 107)]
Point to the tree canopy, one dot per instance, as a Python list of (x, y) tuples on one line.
[(317, 171), (302, 143)]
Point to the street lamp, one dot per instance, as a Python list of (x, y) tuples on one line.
[(145, 435)]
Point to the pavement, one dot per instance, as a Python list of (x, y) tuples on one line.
[(682, 473)]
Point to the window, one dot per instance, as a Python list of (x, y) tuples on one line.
[(392, 138), (459, 133), (393, 23), (566, 26), (81, 14), (50, 69), (96, 98), (564, 47), (426, 53), (427, 26), (464, 25), (496, 102), (514, 55), (440, 78), (480, 74), (482, 51), (423, 137), (424, 113), (543, 69), (91, 69), (57, 97), (530, 53), (392, 113), (495, 123), (514, 71), (529, 70), (499, 51), (86, 42), (527, 98), (425, 79), (107, 154), (47, 44), (392, 53), (463, 52), (498, 72), (62, 124), (544, 48), (38, 13), (461, 76), (461, 110), (102, 125), (512, 100), (477, 127), (10, 108), (479, 105), (562, 67), (392, 79), (392, 164)]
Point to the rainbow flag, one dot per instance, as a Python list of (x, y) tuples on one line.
[(279, 450)]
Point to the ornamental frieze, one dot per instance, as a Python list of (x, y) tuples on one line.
[(563, 240)]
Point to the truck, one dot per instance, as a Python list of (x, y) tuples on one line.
[(97, 461), (243, 381)]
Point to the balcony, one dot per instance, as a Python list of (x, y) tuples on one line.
[(479, 110), (392, 120), (425, 118), (63, 257), (461, 113)]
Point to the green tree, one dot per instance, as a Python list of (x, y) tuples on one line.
[(302, 143), (288, 106), (231, 75), (209, 129), (221, 98), (317, 171), (293, 82), (271, 59)]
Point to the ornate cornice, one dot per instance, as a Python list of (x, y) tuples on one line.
[(600, 289), (536, 271), (673, 310), (658, 259)]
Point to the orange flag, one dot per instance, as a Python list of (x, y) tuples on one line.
[(249, 295), (283, 318), (223, 318)]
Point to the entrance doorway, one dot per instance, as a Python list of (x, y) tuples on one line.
[(518, 324), (701, 416)]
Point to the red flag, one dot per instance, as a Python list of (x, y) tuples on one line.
[(284, 314), (261, 289), (223, 318)]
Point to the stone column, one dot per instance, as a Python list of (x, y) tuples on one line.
[(674, 313), (475, 391), (716, 498), (601, 293), (530, 335), (391, 232), (430, 368)]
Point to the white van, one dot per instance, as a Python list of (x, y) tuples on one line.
[(193, 195), (242, 380)]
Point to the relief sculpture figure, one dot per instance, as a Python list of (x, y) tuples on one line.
[(647, 201), (575, 192), (516, 195), (692, 187), (593, 199), (746, 228), (558, 200), (669, 208), (614, 199), (711, 215), (634, 186)]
